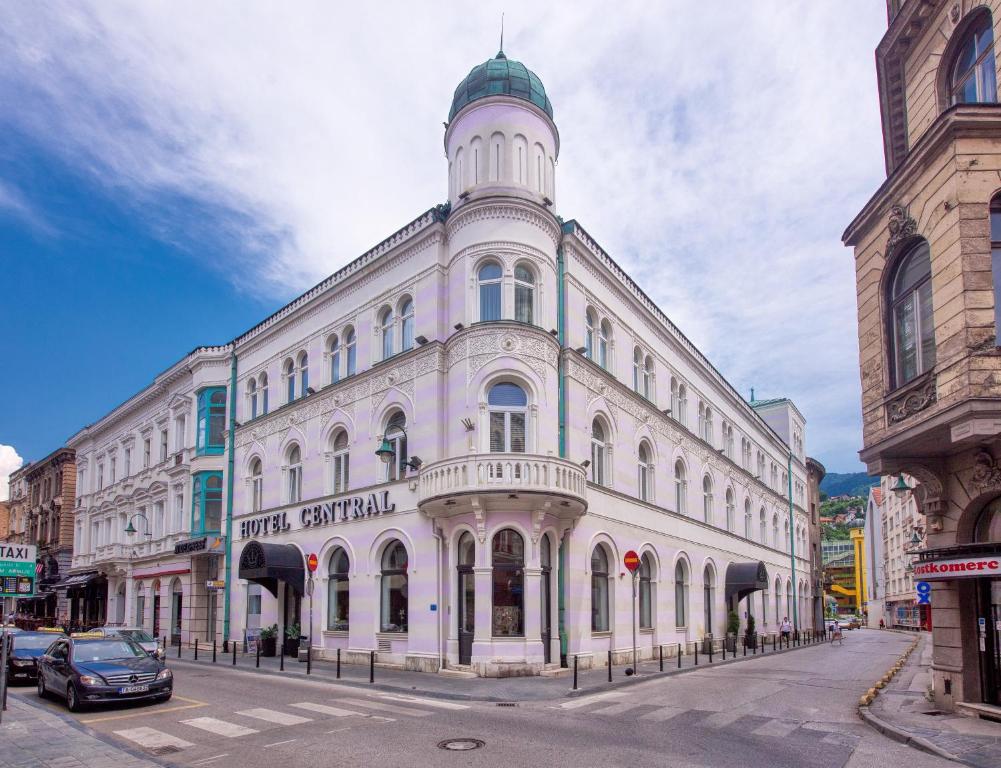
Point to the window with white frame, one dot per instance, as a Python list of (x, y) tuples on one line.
[(263, 384), (590, 329), (350, 352), (762, 526), (294, 475), (397, 469), (604, 345), (680, 487), (256, 485), (147, 451), (252, 397), (707, 499), (648, 377), (334, 350), (489, 277), (674, 398), (128, 462), (386, 323), (340, 462), (507, 405), (644, 473), (303, 374), (638, 370), (289, 371), (407, 325), (682, 405), (524, 294), (599, 448), (730, 510), (748, 523)]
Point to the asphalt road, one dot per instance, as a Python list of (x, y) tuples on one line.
[(794, 709)]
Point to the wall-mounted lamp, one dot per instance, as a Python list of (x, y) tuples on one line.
[(458, 326), (553, 332), (387, 454), (421, 340), (666, 411), (130, 529), (581, 350), (586, 463), (310, 391), (468, 425), (901, 486)]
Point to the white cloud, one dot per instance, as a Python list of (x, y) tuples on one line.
[(9, 462), (716, 150)]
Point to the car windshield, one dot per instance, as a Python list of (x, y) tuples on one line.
[(135, 635), (33, 642), (105, 650)]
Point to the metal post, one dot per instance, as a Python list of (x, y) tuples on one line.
[(743, 645), (696, 644), (3, 671), (309, 655), (609, 666), (773, 643), (234, 652), (371, 666), (661, 647), (258, 661), (636, 574), (575, 672), (196, 649), (679, 655), (710, 651), (213, 650), (338, 663), (281, 663), (178, 648), (724, 649)]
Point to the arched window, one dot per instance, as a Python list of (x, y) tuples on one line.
[(988, 525), (708, 597), (604, 340), (681, 595), (730, 510), (680, 487), (599, 590), (707, 499), (644, 472), (598, 451), (386, 322), (340, 462), (646, 591), (638, 370), (775, 531), (290, 380), (507, 404), (785, 537), (709, 426), (350, 352), (972, 78), (252, 396), (211, 425), (407, 321), (264, 393), (682, 405), (778, 600), (524, 294), (747, 519), (397, 469), (490, 291), (589, 331), (303, 374), (912, 329), (256, 485), (338, 592), (508, 584), (335, 359), (762, 526), (294, 475), (648, 377), (674, 398), (394, 591), (788, 612), (764, 605)]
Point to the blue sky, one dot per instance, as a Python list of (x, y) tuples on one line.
[(170, 173)]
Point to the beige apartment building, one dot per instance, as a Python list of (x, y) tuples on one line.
[(928, 264)]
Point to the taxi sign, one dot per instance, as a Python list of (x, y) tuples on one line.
[(18, 570), (312, 562), (87, 635), (631, 561)]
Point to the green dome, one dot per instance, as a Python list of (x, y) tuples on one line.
[(500, 76)]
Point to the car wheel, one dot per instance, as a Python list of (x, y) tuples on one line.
[(42, 692), (73, 699)]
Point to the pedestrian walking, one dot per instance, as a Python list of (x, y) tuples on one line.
[(882, 624), (836, 633), (785, 628)]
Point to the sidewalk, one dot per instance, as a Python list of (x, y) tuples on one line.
[(904, 707), (32, 737), (444, 686)]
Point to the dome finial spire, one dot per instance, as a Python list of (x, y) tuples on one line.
[(500, 51)]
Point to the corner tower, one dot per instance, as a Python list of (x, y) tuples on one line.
[(500, 137)]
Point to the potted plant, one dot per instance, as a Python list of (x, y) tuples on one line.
[(732, 630), (750, 636), (292, 632), (268, 640)]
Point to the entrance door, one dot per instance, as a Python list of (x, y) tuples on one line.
[(545, 556), (989, 643), (177, 599), (467, 613), (156, 616)]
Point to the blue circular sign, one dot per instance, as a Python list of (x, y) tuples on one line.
[(923, 587)]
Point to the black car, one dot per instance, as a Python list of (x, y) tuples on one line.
[(22, 664), (88, 669)]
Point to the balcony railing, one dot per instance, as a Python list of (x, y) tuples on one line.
[(507, 472)]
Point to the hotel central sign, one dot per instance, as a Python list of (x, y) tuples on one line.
[(336, 511)]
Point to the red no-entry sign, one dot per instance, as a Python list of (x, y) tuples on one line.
[(631, 561), (312, 562)]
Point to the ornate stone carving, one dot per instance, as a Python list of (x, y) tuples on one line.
[(954, 13), (986, 473), (912, 402), (901, 226)]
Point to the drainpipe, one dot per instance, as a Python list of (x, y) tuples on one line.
[(792, 547), (230, 463), (436, 532), (562, 395)]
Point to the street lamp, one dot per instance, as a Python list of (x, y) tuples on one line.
[(132, 529), (387, 454), (901, 487)]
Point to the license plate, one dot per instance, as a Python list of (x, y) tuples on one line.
[(134, 689)]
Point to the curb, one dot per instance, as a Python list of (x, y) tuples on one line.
[(898, 734)]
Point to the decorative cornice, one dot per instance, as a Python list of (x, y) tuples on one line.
[(509, 209), (915, 400)]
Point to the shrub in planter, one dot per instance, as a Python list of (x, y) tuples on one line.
[(732, 630), (292, 632), (750, 636), (269, 640)]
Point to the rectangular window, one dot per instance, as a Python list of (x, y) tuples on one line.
[(490, 301), (159, 521), (178, 523), (211, 420), (114, 461), (100, 477), (180, 427), (206, 502), (523, 303), (253, 606), (163, 442), (146, 452), (128, 462)]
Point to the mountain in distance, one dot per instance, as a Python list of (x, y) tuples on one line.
[(847, 483)]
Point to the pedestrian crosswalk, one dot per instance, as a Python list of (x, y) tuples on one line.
[(376, 708)]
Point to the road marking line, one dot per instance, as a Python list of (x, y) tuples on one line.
[(585, 700), (273, 716), (146, 713), (664, 713), (150, 738), (339, 730), (210, 759), (382, 707), (721, 719), (779, 728), (219, 727), (382, 719), (324, 709), (427, 702), (617, 709), (277, 743)]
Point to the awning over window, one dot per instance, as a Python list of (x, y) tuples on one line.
[(78, 580), (267, 564), (744, 578)]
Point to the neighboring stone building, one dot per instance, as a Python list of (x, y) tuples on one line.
[(815, 472), (925, 246), (4, 520), (875, 558), (17, 501), (51, 489), (902, 532)]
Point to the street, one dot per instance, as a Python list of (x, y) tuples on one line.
[(794, 709)]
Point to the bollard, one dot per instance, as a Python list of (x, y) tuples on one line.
[(710, 651), (178, 647), (309, 657), (575, 673), (696, 654), (258, 662), (196, 649), (661, 658), (234, 652), (724, 649), (609, 666), (213, 650), (371, 666), (281, 663), (338, 663), (679, 655)]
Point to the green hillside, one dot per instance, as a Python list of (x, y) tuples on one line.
[(851, 483)]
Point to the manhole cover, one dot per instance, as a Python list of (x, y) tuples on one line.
[(168, 749), (460, 745), (506, 704)]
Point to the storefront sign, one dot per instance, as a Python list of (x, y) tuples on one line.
[(17, 570), (337, 511), (203, 544), (958, 568), (924, 592), (215, 584)]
